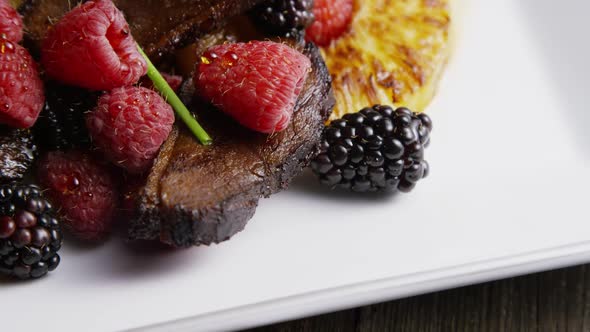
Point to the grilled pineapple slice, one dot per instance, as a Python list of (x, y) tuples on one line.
[(394, 53)]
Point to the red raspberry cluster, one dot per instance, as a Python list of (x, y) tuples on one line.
[(91, 47)]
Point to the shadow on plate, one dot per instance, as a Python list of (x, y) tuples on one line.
[(119, 258), (560, 29), (141, 259), (6, 281)]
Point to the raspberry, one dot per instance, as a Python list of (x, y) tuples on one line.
[(174, 81), (332, 19), (92, 47), (21, 89), (11, 24), (84, 190), (257, 83), (129, 125)]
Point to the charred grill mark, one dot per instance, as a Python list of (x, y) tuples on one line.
[(395, 51)]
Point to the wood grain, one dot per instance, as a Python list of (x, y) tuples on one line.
[(552, 301)]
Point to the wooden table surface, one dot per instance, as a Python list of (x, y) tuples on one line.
[(551, 301)]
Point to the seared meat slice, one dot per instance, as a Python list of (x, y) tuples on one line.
[(202, 195), (158, 25)]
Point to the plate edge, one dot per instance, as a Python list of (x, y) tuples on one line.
[(368, 292)]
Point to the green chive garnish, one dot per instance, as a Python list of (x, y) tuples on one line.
[(171, 97)]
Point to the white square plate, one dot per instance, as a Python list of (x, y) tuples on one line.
[(507, 195)]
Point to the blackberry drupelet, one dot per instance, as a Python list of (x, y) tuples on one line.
[(17, 153), (377, 149), (30, 235), (286, 18), (61, 125)]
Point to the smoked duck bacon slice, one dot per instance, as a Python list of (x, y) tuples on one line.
[(197, 195), (160, 26)]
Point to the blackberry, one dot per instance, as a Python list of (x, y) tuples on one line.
[(61, 125), (17, 153), (284, 17), (30, 235), (377, 149)]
